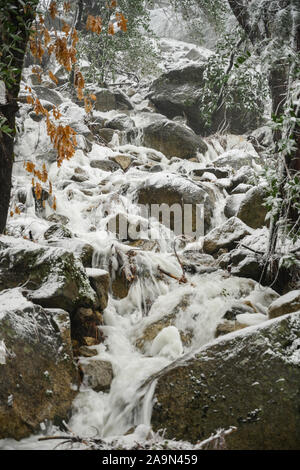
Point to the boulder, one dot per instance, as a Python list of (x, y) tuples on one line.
[(124, 161), (196, 262), (58, 218), (287, 303), (172, 139), (49, 156), (38, 375), (107, 134), (251, 210), (232, 205), (80, 175), (243, 263), (263, 137), (81, 250), (178, 91), (243, 320), (45, 93), (105, 165), (169, 189), (97, 374), (121, 122), (242, 176), (85, 327), (218, 172), (57, 231), (248, 379), (105, 100), (235, 159), (120, 286), (151, 330), (122, 101), (225, 235), (54, 278), (226, 327), (241, 188), (100, 281)]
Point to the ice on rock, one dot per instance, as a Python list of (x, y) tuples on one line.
[(251, 318), (3, 352), (167, 343)]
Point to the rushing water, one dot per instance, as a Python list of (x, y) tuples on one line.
[(197, 306)]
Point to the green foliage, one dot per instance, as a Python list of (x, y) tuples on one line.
[(284, 182), (129, 53), (4, 127), (243, 85)]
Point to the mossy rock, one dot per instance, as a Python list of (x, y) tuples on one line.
[(54, 277)]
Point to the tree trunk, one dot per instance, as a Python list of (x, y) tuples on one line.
[(15, 19), (6, 161)]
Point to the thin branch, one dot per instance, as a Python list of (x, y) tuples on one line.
[(251, 249), (181, 280)]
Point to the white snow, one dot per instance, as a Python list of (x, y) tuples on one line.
[(3, 352), (289, 298), (196, 307), (167, 343), (251, 318)]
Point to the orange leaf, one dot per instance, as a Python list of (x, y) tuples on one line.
[(53, 77), (66, 28), (53, 9), (67, 7), (30, 167), (111, 29)]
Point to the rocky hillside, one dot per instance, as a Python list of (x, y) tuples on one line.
[(104, 332)]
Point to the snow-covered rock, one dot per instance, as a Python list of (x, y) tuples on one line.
[(225, 235), (287, 303), (97, 374), (173, 139), (252, 210), (248, 379), (51, 276), (171, 189), (38, 372)]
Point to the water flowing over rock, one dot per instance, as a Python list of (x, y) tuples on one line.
[(249, 379), (157, 318), (38, 377)]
